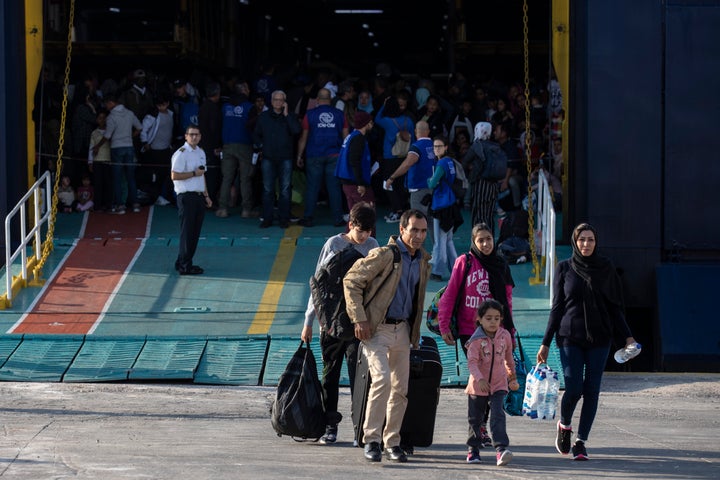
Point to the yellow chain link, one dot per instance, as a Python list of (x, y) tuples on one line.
[(528, 142), (48, 245)]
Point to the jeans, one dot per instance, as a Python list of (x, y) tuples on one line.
[(123, 159), (443, 253), (318, 169), (280, 171), (574, 360), (477, 407)]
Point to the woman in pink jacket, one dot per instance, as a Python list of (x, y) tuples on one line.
[(488, 276), (479, 275), (492, 373)]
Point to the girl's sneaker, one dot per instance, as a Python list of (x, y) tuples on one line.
[(485, 438), (579, 452), (473, 455), (504, 457)]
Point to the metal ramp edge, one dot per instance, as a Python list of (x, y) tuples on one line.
[(41, 358), (104, 359), (228, 360), (168, 358)]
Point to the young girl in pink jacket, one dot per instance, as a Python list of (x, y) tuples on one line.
[(492, 372)]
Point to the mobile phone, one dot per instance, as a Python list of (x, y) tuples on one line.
[(202, 167)]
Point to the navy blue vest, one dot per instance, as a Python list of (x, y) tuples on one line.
[(325, 137), (344, 170), (234, 122), (419, 173)]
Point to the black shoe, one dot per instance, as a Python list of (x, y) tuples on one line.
[(396, 454), (194, 270), (436, 277), (579, 452), (340, 223), (562, 441), (265, 224), (306, 222), (284, 224), (372, 452)]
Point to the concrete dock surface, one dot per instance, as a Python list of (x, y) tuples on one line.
[(649, 426)]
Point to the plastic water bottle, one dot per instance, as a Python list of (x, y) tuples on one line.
[(627, 353), (540, 398), (551, 397)]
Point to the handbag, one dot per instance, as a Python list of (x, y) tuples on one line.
[(431, 316), (401, 146), (513, 404)]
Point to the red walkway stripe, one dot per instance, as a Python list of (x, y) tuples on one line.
[(76, 297)]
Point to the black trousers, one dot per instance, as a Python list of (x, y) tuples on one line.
[(334, 351), (191, 210)]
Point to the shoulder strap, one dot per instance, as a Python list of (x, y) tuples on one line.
[(462, 285), (396, 253)]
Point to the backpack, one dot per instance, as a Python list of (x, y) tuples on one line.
[(431, 317), (461, 184), (402, 141), (493, 160), (298, 408), (328, 296)]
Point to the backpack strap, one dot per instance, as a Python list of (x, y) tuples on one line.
[(461, 292)]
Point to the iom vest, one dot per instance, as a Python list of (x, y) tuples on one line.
[(325, 135)]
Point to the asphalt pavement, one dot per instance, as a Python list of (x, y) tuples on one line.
[(649, 425)]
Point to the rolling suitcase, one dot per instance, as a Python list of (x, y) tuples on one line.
[(423, 395)]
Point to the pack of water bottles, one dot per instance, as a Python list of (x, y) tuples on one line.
[(541, 393)]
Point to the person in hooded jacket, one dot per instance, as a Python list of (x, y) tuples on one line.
[(492, 374), (587, 315)]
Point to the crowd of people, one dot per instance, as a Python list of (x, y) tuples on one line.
[(122, 132), (214, 143)]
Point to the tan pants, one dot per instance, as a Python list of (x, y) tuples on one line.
[(388, 356)]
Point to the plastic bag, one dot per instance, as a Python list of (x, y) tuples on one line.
[(541, 393)]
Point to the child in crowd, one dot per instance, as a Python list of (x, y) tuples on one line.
[(66, 195), (85, 194), (492, 372)]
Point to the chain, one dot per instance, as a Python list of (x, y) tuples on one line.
[(48, 245), (528, 142)]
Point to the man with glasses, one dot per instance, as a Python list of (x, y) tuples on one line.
[(274, 136), (188, 176)]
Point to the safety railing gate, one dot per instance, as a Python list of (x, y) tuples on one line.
[(545, 230), (39, 200)]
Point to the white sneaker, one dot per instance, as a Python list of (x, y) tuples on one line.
[(393, 218), (504, 457), (161, 201)]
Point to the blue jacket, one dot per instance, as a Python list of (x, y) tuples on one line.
[(391, 129), (234, 123), (418, 174), (325, 131), (442, 196), (348, 164)]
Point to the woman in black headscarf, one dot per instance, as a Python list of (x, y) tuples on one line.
[(477, 276), (587, 314)]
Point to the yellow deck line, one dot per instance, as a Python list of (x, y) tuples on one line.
[(278, 275)]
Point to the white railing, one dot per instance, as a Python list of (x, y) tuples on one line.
[(26, 237), (545, 229)]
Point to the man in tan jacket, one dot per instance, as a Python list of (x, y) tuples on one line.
[(385, 302)]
